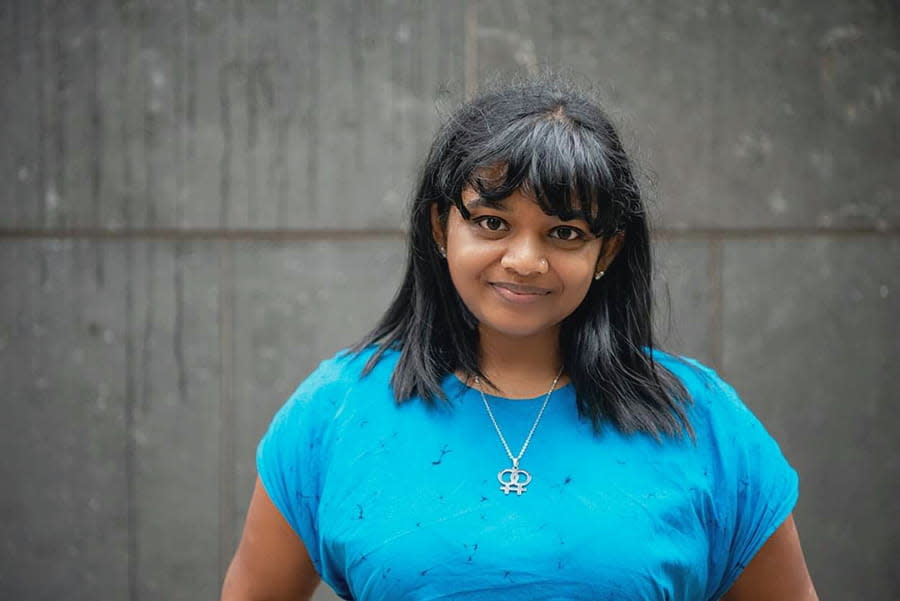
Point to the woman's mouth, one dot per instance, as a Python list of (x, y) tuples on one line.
[(519, 293)]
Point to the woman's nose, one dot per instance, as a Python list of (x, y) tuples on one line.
[(525, 257)]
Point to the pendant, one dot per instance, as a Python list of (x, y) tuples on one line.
[(513, 479)]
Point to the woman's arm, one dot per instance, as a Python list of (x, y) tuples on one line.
[(777, 571), (271, 563)]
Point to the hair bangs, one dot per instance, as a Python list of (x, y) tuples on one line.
[(564, 168)]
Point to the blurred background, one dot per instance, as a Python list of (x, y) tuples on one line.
[(204, 199)]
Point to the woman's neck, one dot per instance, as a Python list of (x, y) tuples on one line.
[(520, 367)]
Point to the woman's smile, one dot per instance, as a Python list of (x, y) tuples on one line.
[(518, 293)]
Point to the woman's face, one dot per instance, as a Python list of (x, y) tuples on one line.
[(517, 269)]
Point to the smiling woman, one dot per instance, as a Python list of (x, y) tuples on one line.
[(432, 461)]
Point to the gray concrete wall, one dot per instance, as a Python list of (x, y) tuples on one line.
[(202, 199)]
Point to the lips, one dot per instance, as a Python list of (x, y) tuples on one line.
[(519, 293)]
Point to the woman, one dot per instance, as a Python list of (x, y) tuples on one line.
[(509, 430)]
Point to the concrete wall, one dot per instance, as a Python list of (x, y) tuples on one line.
[(203, 199)]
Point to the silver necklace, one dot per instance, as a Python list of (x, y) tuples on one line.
[(515, 479)]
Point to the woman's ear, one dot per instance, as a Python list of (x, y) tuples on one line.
[(609, 248), (437, 227)]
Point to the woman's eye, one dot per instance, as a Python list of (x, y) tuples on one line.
[(568, 234), (494, 224)]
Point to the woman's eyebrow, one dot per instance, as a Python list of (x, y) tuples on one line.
[(479, 202)]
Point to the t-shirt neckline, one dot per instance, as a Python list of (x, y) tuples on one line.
[(462, 388)]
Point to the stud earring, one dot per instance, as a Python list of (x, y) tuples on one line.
[(599, 274), (442, 251)]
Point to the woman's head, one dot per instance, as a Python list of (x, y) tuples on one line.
[(547, 145), (551, 145)]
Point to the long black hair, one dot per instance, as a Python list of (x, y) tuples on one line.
[(559, 146)]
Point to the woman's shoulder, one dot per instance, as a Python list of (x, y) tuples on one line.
[(348, 368), (346, 374), (715, 406), (713, 402), (339, 390), (698, 379)]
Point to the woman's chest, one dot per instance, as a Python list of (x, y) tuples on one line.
[(421, 513)]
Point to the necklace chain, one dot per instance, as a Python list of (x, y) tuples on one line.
[(515, 485)]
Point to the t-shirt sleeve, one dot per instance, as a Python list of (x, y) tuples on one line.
[(754, 488), (289, 457)]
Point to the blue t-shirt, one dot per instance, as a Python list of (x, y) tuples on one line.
[(402, 502)]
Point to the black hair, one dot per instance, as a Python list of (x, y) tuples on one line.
[(558, 145)]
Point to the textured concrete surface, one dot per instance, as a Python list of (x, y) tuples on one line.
[(296, 304), (110, 366), (64, 439), (686, 313), (811, 337), (174, 290), (203, 200), (209, 115)]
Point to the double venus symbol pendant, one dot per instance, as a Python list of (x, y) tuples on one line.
[(513, 479)]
